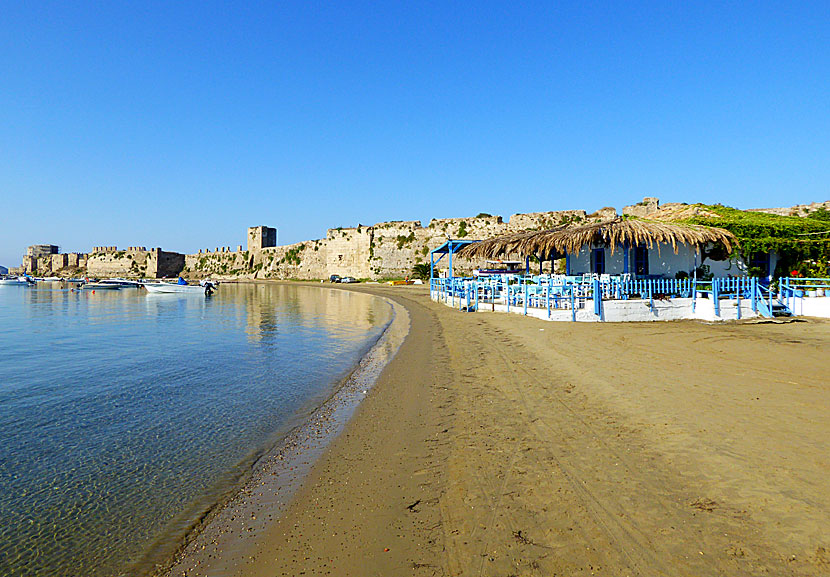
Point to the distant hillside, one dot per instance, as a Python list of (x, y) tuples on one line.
[(797, 210)]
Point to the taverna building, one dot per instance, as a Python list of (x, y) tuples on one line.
[(623, 269)]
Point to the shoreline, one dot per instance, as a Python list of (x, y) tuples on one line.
[(278, 472), (504, 445)]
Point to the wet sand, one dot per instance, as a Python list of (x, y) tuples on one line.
[(500, 445)]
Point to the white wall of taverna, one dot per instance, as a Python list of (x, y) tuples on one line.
[(811, 306), (634, 310), (662, 260)]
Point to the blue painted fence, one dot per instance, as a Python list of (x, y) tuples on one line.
[(791, 289), (572, 293)]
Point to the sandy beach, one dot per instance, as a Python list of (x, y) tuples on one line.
[(499, 445)]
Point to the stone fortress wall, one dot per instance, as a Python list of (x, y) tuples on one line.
[(135, 261), (797, 210), (383, 250), (56, 264), (103, 262)]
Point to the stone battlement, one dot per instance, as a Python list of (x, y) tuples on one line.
[(385, 249), (135, 262)]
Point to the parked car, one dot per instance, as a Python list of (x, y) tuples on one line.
[(335, 278), (348, 279)]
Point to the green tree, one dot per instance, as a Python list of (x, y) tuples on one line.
[(421, 271)]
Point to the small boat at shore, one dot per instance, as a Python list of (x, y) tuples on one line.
[(101, 286), (122, 282), (16, 281), (206, 288)]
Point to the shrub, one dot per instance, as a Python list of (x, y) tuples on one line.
[(421, 271), (821, 214), (292, 255), (404, 240)]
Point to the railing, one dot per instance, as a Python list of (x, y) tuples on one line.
[(567, 293), (793, 289), (510, 292), (735, 288), (764, 305)]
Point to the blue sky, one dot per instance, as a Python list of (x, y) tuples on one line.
[(180, 124)]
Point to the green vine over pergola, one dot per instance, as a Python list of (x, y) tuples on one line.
[(802, 243)]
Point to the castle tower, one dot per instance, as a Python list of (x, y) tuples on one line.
[(260, 237)]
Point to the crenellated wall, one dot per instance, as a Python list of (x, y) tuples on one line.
[(135, 262), (60, 264), (544, 220), (383, 250), (108, 263), (348, 252), (59, 261)]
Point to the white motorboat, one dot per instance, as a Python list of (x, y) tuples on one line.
[(205, 288), (101, 286), (122, 282), (16, 281)]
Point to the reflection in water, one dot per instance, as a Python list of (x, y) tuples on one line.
[(305, 306), (124, 416)]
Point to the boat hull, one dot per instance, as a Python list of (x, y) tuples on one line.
[(169, 288), (100, 286), (15, 282)]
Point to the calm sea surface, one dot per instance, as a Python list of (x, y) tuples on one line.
[(124, 416)]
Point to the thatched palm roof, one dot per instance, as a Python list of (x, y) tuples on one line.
[(502, 246), (613, 233)]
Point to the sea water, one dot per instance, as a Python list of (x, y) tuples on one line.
[(125, 416)]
